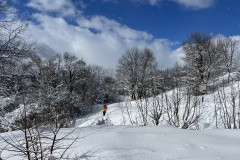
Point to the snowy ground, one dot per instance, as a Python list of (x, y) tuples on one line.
[(158, 143), (153, 143)]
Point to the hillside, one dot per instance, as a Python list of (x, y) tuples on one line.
[(117, 114)]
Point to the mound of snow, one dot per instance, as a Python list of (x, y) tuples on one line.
[(104, 121)]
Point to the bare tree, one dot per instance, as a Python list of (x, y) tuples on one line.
[(157, 109), (173, 100), (228, 104), (231, 56), (40, 118), (127, 110), (203, 57), (13, 46), (134, 71)]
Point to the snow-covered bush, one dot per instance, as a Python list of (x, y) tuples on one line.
[(7, 104), (39, 128)]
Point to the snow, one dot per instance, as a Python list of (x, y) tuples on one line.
[(6, 101), (10, 117), (164, 143), (152, 143)]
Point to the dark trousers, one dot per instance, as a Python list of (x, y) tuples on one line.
[(104, 112)]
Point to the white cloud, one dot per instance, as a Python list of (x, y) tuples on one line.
[(103, 24), (153, 2), (192, 4), (195, 4), (98, 39), (62, 7)]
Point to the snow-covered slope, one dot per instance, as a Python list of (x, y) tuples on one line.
[(211, 111), (117, 115), (113, 115)]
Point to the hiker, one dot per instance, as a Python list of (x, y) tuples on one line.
[(104, 109)]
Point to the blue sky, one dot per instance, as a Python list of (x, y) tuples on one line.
[(171, 20), (100, 31)]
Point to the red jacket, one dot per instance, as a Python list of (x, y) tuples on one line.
[(104, 108)]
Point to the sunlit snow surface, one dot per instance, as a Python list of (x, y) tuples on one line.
[(153, 143), (158, 143)]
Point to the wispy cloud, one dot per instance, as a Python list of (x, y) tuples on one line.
[(151, 2), (113, 1), (191, 4), (62, 7), (105, 25), (195, 4)]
